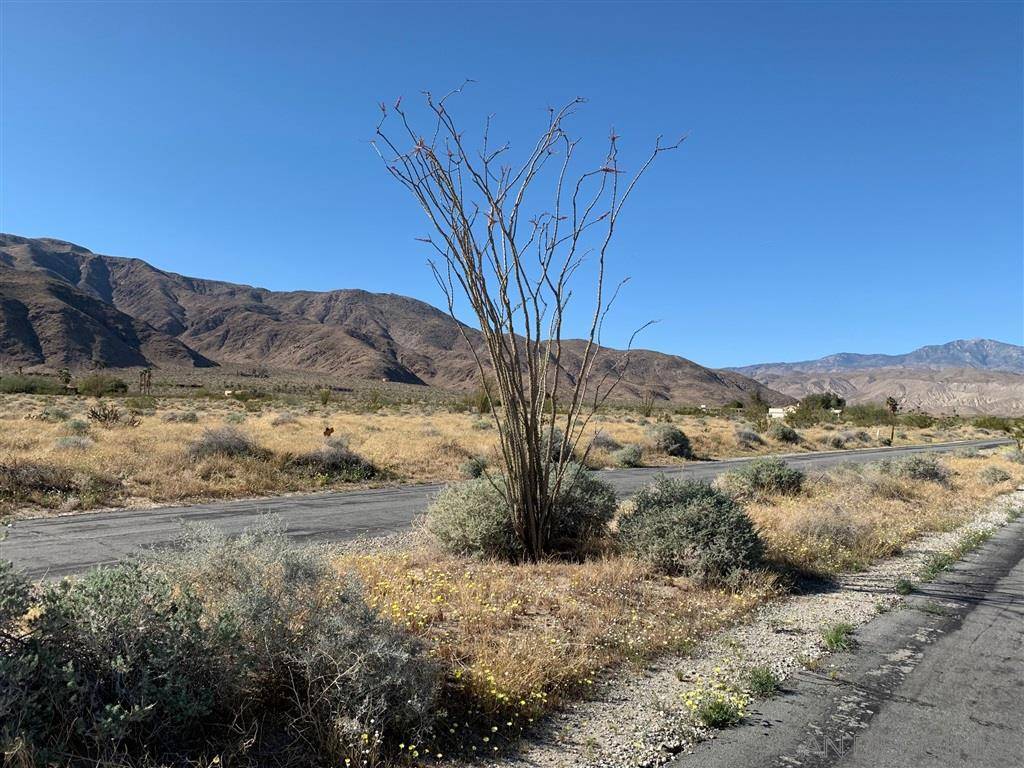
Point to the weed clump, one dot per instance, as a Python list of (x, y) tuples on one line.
[(50, 486), (762, 477), (472, 518), (671, 440), (153, 660), (335, 459), (224, 441), (994, 475), (917, 467), (628, 457), (689, 528), (783, 433)]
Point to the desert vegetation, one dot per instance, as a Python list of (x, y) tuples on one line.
[(436, 647), (67, 452)]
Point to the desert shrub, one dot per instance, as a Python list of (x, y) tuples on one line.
[(605, 442), (671, 440), (836, 441), (916, 467), (890, 487), (994, 423), (917, 419), (52, 413), (100, 384), (685, 527), (31, 385), (140, 403), (109, 416), (334, 459), (234, 418), (116, 661), (77, 427), (762, 477), (783, 433), (628, 457), (1015, 455), (175, 657), (473, 467), (827, 529), (994, 475), (807, 416), (73, 443), (311, 659), (224, 441), (868, 415), (968, 453), (284, 419), (186, 417), (472, 518), (47, 485), (823, 401), (481, 424), (747, 438)]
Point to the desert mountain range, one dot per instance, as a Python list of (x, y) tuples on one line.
[(63, 305), (966, 376)]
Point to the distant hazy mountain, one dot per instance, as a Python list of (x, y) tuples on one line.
[(966, 376), (984, 354), (63, 305)]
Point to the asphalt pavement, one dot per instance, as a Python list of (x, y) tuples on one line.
[(54, 546)]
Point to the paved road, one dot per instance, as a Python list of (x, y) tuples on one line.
[(56, 546), (938, 684)]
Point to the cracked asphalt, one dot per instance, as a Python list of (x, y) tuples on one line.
[(936, 684)]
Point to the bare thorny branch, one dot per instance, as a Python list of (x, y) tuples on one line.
[(516, 272)]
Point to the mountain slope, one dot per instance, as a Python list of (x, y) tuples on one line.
[(983, 354), (966, 376), (345, 332)]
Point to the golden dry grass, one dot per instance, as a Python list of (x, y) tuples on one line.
[(518, 639), (417, 443)]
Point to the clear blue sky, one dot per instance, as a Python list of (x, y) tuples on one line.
[(852, 181)]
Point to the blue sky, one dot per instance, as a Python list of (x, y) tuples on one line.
[(852, 179)]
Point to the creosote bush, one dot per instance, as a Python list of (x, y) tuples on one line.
[(783, 433), (685, 527), (472, 518), (335, 459), (206, 648), (224, 441), (994, 475), (671, 440), (917, 467), (628, 457), (762, 477)]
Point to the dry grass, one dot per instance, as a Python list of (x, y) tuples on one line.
[(410, 442), (519, 639), (850, 517)]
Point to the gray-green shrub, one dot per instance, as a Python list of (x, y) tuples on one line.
[(100, 384), (916, 467), (472, 518), (473, 467), (686, 527), (628, 457), (211, 644), (671, 440), (783, 433), (334, 459), (223, 441), (994, 475), (762, 477)]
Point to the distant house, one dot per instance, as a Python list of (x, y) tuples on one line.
[(781, 413)]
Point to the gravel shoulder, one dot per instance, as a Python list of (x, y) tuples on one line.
[(638, 718)]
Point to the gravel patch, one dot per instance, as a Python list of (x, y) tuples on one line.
[(637, 719)]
